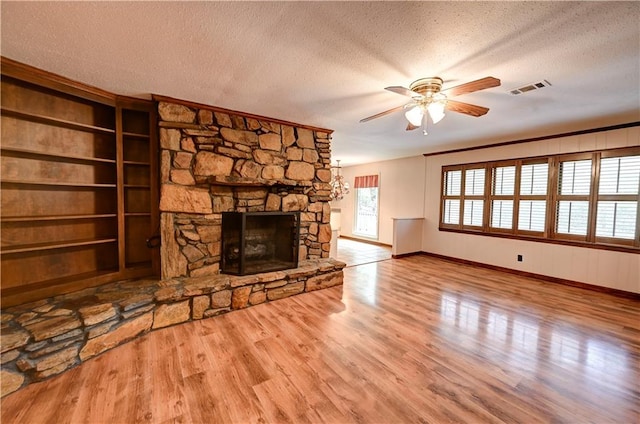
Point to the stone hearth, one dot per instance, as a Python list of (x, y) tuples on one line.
[(45, 338)]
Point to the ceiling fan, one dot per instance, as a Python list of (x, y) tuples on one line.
[(428, 97)]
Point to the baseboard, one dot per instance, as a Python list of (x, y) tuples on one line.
[(404, 255), (362, 240), (586, 286)]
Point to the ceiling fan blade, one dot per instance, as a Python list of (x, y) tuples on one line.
[(386, 112), (472, 86), (466, 108), (403, 91), (411, 127)]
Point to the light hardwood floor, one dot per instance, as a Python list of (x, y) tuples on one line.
[(415, 339), (354, 252)]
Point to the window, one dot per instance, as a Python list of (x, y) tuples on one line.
[(451, 197), (572, 208), (473, 197), (463, 197), (366, 221), (585, 199), (503, 181), (617, 205), (532, 204)]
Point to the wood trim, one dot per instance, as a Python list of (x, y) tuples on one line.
[(405, 255), (586, 286), (24, 72), (566, 242), (529, 140), (120, 188), (159, 98), (364, 240)]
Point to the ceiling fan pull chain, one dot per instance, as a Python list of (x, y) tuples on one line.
[(424, 124)]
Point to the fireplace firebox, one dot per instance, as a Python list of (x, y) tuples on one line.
[(255, 242)]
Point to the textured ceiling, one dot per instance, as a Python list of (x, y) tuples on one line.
[(326, 63)]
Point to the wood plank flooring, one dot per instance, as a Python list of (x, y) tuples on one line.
[(354, 252), (416, 339)]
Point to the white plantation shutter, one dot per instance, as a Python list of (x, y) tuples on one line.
[(504, 180), (532, 215), (473, 211), (572, 211), (617, 208), (502, 214), (532, 208), (473, 192), (575, 177), (572, 217), (533, 179), (451, 213), (616, 219), (620, 175), (503, 189), (453, 183), (474, 182), (451, 197)]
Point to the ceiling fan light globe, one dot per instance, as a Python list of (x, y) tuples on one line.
[(436, 111), (414, 116)]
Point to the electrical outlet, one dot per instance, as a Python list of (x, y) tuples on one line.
[(519, 258)]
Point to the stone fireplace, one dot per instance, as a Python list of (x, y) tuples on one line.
[(257, 242), (215, 161)]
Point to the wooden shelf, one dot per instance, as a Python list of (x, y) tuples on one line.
[(71, 219), (51, 246), (43, 119), (55, 217), (136, 135), (136, 163), (58, 157), (58, 184)]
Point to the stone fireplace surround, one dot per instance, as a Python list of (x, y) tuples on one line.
[(212, 161)]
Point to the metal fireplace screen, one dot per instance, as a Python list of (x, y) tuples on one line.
[(254, 242)]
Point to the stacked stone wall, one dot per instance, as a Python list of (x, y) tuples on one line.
[(213, 162)]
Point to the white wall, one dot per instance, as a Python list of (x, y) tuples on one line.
[(401, 193), (593, 266)]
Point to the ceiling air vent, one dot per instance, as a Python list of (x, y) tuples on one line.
[(530, 87)]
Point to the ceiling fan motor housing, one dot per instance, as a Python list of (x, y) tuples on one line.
[(427, 86)]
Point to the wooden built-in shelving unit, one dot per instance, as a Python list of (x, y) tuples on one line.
[(79, 185)]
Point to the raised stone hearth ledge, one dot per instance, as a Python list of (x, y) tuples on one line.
[(45, 338)]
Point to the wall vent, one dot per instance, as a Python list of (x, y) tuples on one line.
[(530, 87)]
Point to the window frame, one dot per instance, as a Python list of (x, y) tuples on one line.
[(615, 197), (444, 196), (376, 185), (552, 199), (558, 197)]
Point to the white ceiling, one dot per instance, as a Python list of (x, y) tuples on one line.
[(326, 63)]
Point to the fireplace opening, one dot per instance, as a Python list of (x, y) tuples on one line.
[(255, 242)]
